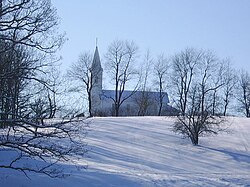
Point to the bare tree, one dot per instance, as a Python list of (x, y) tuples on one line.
[(81, 71), (50, 94), (121, 56), (196, 123), (208, 68), (37, 139), (53, 92), (31, 23), (13, 82), (217, 79), (27, 37), (143, 99), (184, 67), (244, 92), (161, 69), (28, 40), (230, 81), (198, 118)]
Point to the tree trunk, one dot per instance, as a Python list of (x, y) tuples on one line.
[(160, 108), (195, 139), (90, 103), (225, 109)]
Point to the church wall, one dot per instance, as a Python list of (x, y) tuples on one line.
[(129, 108)]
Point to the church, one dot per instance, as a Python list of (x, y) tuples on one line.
[(140, 103)]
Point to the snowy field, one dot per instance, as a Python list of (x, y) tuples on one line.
[(143, 151)]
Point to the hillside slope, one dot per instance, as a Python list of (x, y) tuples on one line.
[(143, 151)]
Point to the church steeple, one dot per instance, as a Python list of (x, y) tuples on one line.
[(96, 91), (96, 65)]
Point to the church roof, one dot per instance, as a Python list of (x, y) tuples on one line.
[(153, 95), (96, 60)]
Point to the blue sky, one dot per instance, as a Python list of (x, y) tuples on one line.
[(162, 26)]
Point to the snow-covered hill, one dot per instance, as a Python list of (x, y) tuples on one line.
[(143, 151)]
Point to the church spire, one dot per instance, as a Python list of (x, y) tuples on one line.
[(96, 91), (96, 60)]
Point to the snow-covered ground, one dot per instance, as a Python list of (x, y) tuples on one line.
[(143, 151)]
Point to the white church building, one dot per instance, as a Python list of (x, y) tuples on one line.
[(102, 103)]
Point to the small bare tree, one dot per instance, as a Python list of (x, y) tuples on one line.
[(120, 59), (217, 79), (244, 92), (228, 89), (143, 99), (161, 69)]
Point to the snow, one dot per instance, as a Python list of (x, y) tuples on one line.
[(143, 151)]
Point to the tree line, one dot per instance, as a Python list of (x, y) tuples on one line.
[(189, 77)]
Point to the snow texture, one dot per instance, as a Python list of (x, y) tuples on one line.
[(143, 151)]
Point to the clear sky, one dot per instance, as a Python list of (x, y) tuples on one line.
[(163, 26)]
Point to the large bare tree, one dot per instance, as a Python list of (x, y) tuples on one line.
[(31, 23), (208, 68), (196, 123), (28, 40), (184, 67), (198, 118), (81, 71), (120, 62)]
